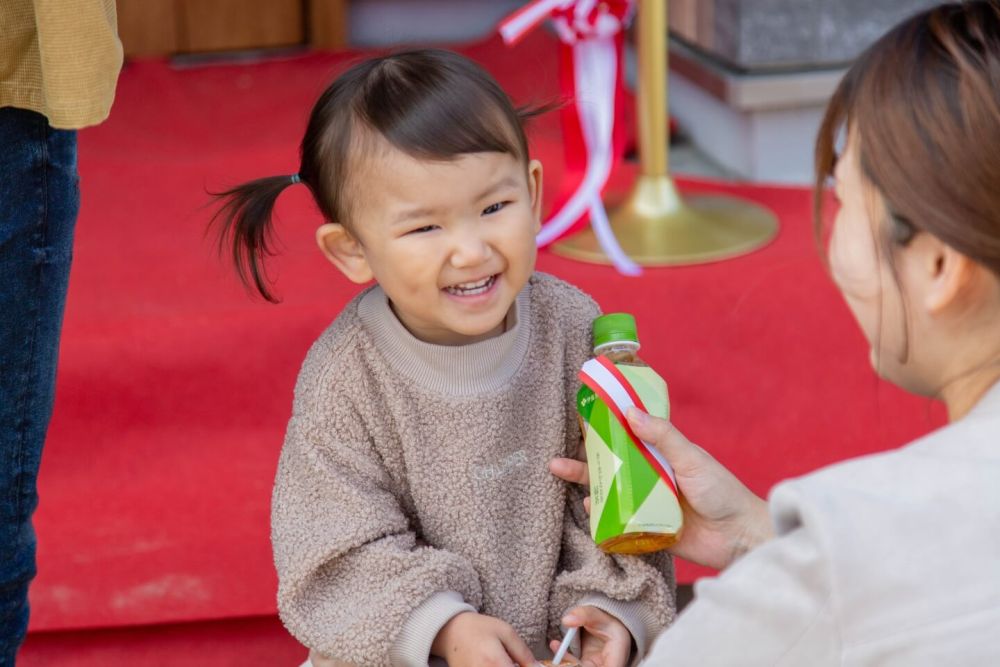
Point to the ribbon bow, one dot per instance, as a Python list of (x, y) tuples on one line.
[(574, 20), (591, 31)]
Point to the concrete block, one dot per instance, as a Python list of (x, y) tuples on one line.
[(760, 127), (754, 35)]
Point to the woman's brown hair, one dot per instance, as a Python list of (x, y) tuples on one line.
[(923, 103)]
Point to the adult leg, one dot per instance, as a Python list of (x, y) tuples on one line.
[(39, 201)]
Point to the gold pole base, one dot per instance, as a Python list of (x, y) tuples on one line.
[(655, 227)]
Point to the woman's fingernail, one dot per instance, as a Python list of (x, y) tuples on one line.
[(570, 620), (637, 415)]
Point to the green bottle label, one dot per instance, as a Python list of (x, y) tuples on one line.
[(627, 495)]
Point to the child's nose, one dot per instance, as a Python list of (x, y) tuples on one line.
[(469, 250)]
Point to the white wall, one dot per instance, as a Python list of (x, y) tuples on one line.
[(390, 22), (761, 145)]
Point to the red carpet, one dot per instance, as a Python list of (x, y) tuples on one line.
[(174, 386), (239, 642)]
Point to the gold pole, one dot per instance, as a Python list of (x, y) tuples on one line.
[(654, 225), (651, 97)]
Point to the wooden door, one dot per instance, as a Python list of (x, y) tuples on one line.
[(236, 25), (693, 20), (165, 27)]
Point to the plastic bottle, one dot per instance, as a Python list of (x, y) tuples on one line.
[(634, 503)]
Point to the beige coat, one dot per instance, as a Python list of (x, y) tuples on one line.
[(890, 559)]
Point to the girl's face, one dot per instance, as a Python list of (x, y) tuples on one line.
[(862, 272), (452, 243)]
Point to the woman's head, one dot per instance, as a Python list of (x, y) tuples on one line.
[(915, 245), (419, 164)]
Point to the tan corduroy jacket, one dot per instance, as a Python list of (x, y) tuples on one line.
[(60, 58)]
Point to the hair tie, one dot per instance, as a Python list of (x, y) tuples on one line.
[(296, 179)]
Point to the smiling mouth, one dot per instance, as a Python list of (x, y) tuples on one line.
[(472, 289)]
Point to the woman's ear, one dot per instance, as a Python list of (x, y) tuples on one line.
[(344, 251), (535, 190), (949, 275)]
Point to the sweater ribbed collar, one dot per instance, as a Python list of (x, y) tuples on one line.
[(459, 370)]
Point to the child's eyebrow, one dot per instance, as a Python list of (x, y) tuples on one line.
[(413, 214), (418, 213), (505, 182)]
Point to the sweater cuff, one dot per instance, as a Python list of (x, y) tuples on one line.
[(412, 647), (641, 621)]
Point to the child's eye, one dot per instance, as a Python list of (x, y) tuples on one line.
[(493, 208), (422, 230)]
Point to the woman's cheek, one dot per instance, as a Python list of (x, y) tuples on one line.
[(855, 270), (853, 258)]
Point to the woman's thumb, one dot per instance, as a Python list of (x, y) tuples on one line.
[(661, 434)]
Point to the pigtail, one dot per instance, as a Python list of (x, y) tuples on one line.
[(528, 112), (244, 228)]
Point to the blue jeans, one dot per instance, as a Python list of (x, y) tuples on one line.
[(39, 201)]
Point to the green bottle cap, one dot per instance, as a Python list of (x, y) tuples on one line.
[(613, 328)]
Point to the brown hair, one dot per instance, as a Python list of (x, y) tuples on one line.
[(924, 104), (432, 104)]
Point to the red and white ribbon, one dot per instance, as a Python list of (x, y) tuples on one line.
[(614, 389), (591, 31)]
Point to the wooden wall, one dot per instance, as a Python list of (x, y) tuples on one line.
[(164, 27), (693, 20)]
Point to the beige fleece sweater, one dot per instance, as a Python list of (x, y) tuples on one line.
[(413, 486)]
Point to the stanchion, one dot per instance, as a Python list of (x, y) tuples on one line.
[(655, 225)]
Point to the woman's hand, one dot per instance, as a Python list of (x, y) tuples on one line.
[(604, 642), (723, 519), (477, 640)]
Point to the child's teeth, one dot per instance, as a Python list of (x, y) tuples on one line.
[(471, 288)]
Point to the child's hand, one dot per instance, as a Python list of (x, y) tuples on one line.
[(319, 660), (605, 641), (477, 640)]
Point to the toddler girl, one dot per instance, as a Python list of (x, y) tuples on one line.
[(413, 513)]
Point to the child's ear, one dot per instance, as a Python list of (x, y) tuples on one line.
[(535, 189), (344, 251)]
